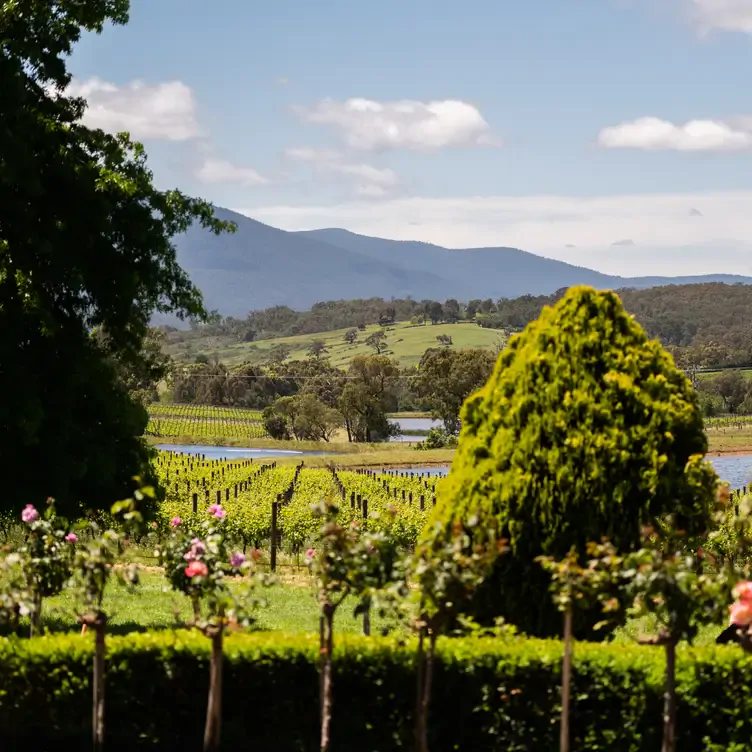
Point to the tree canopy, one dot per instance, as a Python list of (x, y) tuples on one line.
[(85, 245), (445, 378), (585, 429)]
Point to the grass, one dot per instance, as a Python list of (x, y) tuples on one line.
[(405, 342), (727, 440), (291, 607)]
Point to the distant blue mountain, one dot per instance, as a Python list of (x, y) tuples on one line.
[(260, 266)]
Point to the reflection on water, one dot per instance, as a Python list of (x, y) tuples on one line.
[(414, 424)]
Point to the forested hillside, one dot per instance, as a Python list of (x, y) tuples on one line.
[(711, 323), (260, 266)]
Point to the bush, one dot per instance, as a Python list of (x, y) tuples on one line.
[(488, 694), (584, 430), (437, 438)]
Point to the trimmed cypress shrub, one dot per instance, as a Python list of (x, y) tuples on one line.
[(585, 429)]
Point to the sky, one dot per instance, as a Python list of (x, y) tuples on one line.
[(613, 134)]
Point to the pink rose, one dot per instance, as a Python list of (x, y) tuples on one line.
[(237, 560), (741, 613), (71, 538), (196, 569), (176, 522), (216, 511), (310, 553), (743, 591), (29, 514)]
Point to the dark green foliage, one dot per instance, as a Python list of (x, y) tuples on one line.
[(445, 378), (488, 695), (85, 244), (584, 430)]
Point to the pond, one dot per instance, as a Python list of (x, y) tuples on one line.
[(735, 469), (413, 424), (235, 453)]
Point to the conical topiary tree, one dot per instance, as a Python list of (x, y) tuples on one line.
[(585, 429)]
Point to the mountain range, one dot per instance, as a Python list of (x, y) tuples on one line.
[(260, 266)]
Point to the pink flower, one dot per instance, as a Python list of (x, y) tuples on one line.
[(196, 569), (743, 591), (197, 549), (216, 511), (176, 522), (310, 553), (29, 514), (197, 546), (237, 560), (741, 613), (71, 538)]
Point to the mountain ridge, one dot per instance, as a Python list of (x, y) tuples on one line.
[(260, 266)]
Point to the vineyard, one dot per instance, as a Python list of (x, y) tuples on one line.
[(204, 421), (270, 505), (729, 422)]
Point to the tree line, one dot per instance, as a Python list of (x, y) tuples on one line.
[(704, 325), (310, 399)]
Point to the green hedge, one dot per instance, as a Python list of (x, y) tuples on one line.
[(488, 695)]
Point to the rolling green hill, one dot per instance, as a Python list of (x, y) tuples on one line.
[(405, 342)]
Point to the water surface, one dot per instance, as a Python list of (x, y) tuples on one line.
[(734, 469), (234, 453)]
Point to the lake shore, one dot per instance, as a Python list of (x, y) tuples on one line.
[(402, 454)]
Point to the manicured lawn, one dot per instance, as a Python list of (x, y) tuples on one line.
[(291, 607)]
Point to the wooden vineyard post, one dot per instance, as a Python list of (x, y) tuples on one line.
[(195, 503), (273, 555), (422, 503)]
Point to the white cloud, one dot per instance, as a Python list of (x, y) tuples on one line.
[(670, 241), (726, 15), (653, 134), (165, 111), (377, 176), (222, 171), (368, 181), (311, 154), (404, 124)]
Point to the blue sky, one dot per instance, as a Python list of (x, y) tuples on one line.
[(615, 134)]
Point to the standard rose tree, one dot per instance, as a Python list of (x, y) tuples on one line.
[(740, 618), (348, 561), (198, 561), (46, 557)]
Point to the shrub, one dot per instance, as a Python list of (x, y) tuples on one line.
[(585, 429), (437, 438), (488, 694)]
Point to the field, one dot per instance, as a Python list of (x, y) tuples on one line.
[(247, 491), (405, 342), (393, 500), (225, 426), (204, 421), (728, 435)]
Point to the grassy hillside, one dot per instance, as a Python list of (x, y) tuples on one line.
[(405, 342)]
